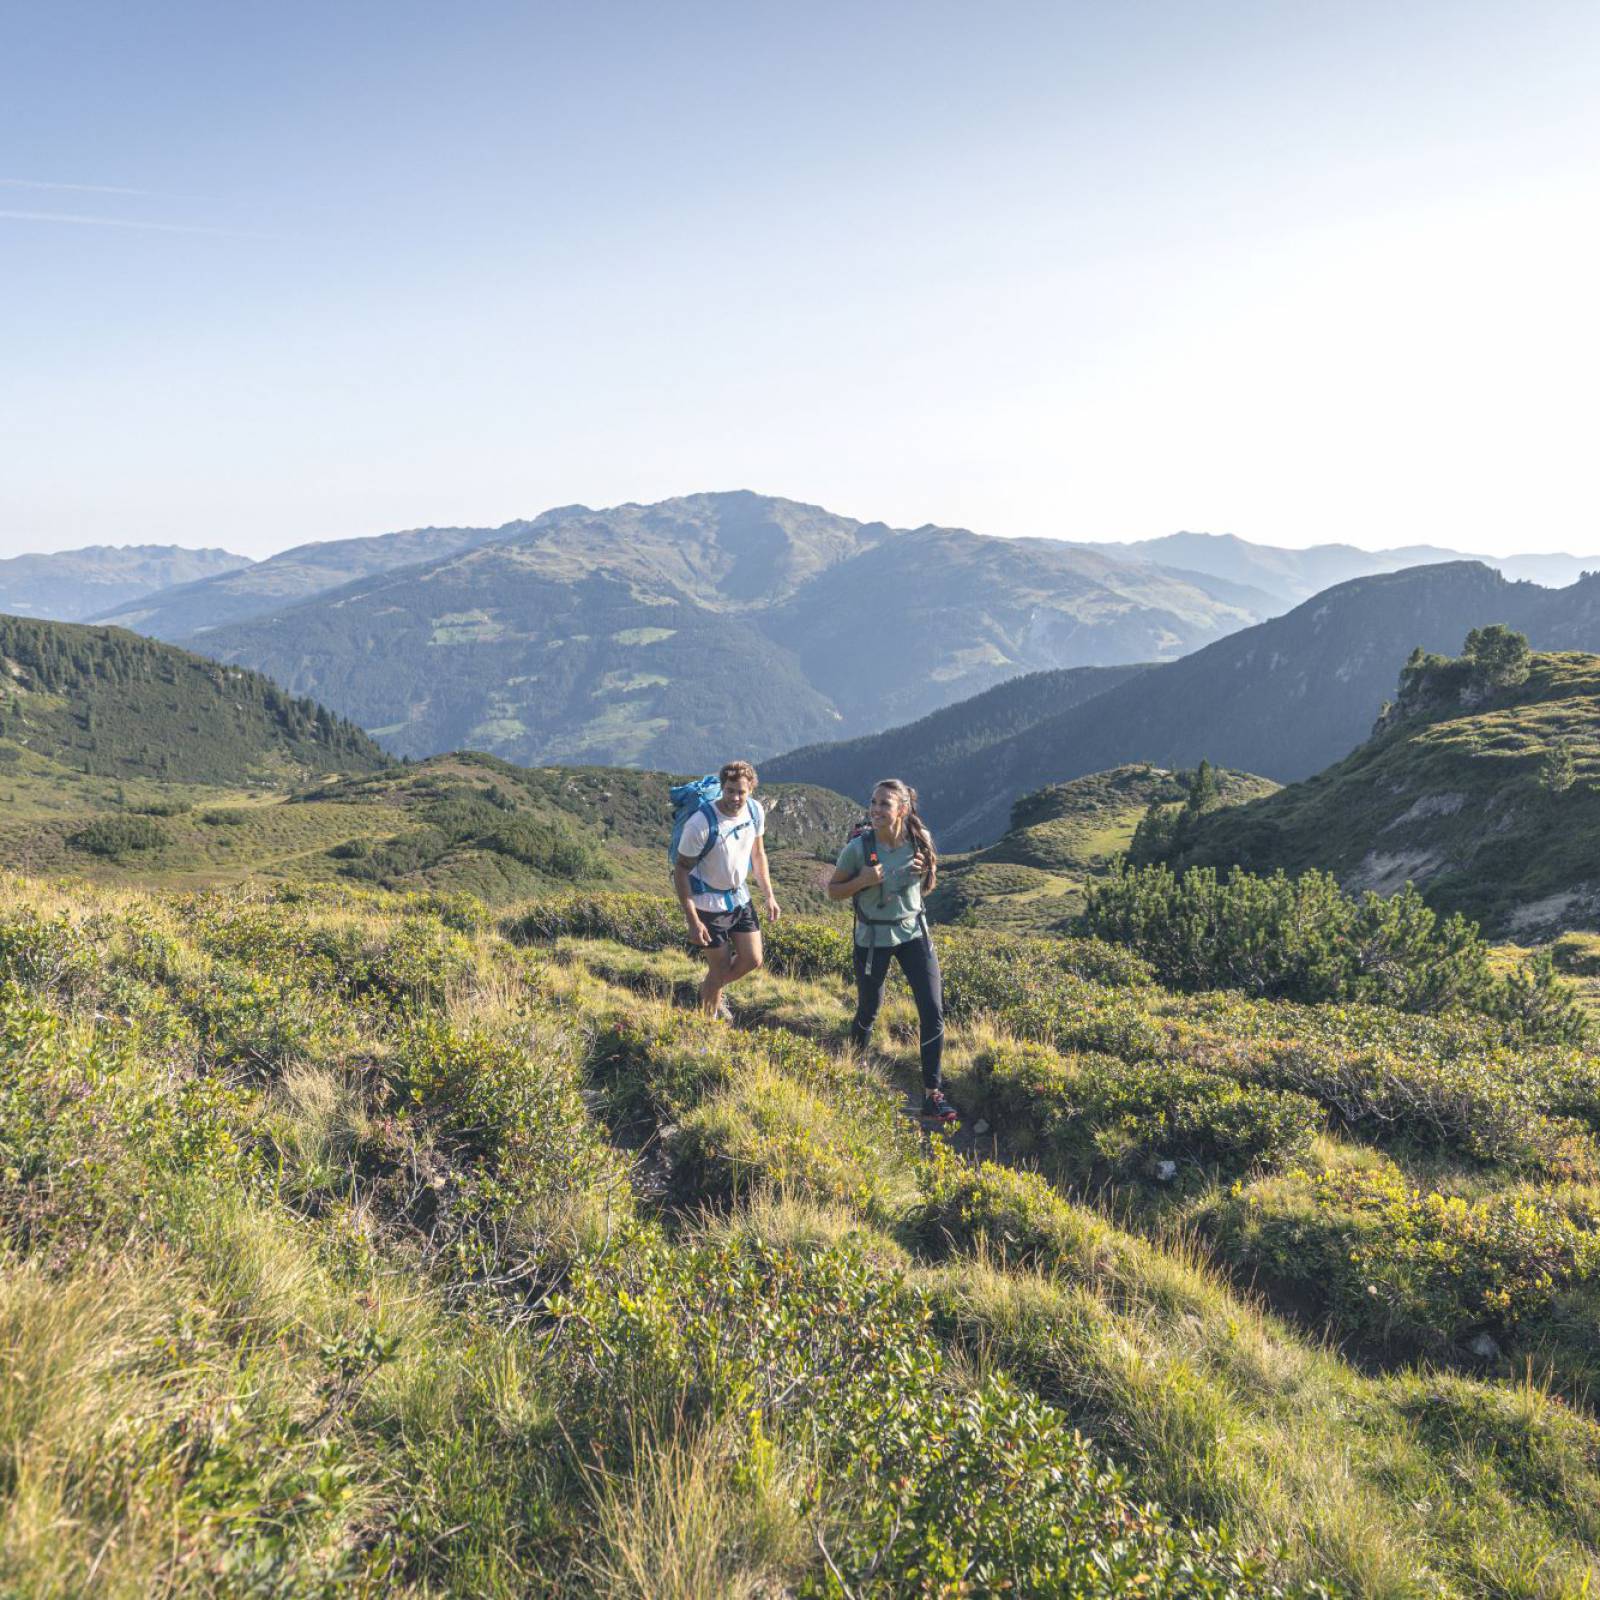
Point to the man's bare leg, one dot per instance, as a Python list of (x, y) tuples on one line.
[(743, 956)]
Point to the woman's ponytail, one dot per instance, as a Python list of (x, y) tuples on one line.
[(917, 828)]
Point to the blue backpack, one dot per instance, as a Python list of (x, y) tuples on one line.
[(700, 799)]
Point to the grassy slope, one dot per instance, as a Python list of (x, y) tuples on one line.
[(342, 1261), (1060, 839), (361, 828), (1453, 800)]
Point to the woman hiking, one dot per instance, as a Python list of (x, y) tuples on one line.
[(885, 869)]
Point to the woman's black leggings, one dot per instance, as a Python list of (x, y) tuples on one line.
[(921, 967)]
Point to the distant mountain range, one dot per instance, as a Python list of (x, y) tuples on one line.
[(1285, 577), (663, 634), (669, 634), (190, 608), (69, 585), (1284, 698)]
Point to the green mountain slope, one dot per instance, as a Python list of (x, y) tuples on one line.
[(949, 735), (1060, 840), (456, 823), (493, 650), (109, 704), (69, 585), (1283, 698), (1488, 800), (661, 635)]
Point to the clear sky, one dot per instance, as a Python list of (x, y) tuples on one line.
[(1296, 271)]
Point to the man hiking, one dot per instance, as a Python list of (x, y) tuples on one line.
[(710, 880)]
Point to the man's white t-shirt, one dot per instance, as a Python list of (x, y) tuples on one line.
[(727, 863)]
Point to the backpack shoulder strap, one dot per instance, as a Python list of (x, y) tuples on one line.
[(708, 810)]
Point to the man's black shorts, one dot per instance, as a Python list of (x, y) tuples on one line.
[(721, 925)]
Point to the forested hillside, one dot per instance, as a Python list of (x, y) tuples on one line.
[(110, 704), (951, 735)]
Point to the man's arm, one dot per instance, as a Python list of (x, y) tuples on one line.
[(681, 869), (758, 871)]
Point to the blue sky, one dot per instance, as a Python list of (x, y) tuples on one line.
[(1294, 271)]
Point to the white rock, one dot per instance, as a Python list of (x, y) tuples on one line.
[(1483, 1344), (1166, 1171), (980, 1127)]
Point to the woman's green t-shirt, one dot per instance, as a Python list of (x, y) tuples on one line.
[(890, 913)]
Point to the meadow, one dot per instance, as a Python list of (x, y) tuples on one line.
[(365, 1243)]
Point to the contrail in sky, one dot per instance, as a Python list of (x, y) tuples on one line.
[(126, 222), (94, 188)]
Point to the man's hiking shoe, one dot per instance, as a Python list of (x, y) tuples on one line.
[(938, 1111)]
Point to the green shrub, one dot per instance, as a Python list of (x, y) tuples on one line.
[(640, 921), (798, 949), (1405, 1267), (226, 817), (547, 846), (1009, 1215), (921, 1489), (1093, 1117), (1305, 939), (1578, 954), (162, 808), (118, 836)]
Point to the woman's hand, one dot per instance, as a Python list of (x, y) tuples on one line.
[(870, 877), (917, 867)]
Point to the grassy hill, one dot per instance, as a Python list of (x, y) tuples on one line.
[(358, 1245), (1061, 839), (1487, 798), (463, 823)]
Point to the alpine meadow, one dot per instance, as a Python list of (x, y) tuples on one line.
[(800, 803)]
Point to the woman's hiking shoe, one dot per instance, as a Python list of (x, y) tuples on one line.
[(937, 1109)]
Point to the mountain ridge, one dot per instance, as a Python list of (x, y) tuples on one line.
[(1281, 699)]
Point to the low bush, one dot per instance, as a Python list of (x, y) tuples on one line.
[(119, 836), (226, 817), (1092, 1117), (1012, 1216), (640, 921), (919, 1487), (798, 949), (548, 847), (1305, 939), (162, 808), (1403, 1267)]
